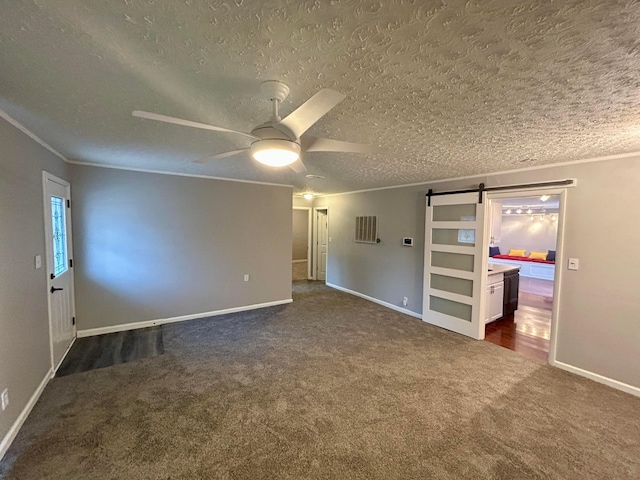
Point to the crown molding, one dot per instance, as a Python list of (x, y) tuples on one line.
[(177, 174), (484, 175), (31, 135)]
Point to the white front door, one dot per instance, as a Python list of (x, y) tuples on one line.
[(322, 243), (455, 264), (57, 220)]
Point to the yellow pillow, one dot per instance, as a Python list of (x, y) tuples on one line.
[(517, 253), (538, 255)]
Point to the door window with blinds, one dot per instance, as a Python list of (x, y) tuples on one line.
[(366, 229)]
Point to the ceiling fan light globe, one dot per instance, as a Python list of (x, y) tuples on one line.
[(275, 158), (275, 153)]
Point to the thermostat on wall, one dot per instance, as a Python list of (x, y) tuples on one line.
[(407, 241)]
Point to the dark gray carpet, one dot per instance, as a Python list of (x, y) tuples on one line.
[(110, 349), (330, 387)]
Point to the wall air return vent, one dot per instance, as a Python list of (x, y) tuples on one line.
[(367, 230)]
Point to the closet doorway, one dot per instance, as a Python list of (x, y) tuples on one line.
[(525, 234)]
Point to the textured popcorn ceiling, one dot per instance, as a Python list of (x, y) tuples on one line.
[(449, 88)]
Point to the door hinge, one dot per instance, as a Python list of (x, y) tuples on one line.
[(73, 320), (52, 276), (68, 203), (71, 263)]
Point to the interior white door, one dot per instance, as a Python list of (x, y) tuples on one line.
[(455, 264), (322, 223), (57, 213)]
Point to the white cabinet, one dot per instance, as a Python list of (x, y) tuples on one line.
[(495, 217), (494, 300)]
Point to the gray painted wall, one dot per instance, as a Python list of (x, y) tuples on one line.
[(151, 246), (300, 234), (387, 271), (24, 319), (599, 324), (518, 232)]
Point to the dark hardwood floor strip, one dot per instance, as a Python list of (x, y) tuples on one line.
[(536, 286), (101, 351), (528, 330)]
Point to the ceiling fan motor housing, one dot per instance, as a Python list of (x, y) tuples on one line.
[(266, 131), (274, 147)]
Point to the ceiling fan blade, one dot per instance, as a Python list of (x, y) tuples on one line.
[(299, 121), (298, 166), (185, 123), (309, 143), (218, 156)]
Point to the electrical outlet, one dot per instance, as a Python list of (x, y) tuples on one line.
[(405, 300), (5, 398), (246, 278)]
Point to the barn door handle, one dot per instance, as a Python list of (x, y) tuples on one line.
[(54, 289)]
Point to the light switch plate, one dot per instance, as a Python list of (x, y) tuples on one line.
[(38, 261), (574, 264)]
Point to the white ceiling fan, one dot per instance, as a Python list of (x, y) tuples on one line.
[(279, 142)]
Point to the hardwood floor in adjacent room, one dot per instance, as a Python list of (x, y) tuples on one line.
[(528, 330)]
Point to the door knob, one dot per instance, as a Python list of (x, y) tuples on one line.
[(54, 289)]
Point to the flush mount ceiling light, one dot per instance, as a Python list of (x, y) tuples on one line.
[(519, 211), (508, 212), (529, 211), (275, 152), (544, 198), (308, 196)]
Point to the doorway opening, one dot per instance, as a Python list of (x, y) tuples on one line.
[(301, 243), (524, 242), (321, 241)]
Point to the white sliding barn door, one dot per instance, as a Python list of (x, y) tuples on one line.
[(454, 272)]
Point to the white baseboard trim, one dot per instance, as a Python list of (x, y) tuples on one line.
[(15, 428), (66, 352), (375, 300), (161, 321), (599, 378)]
